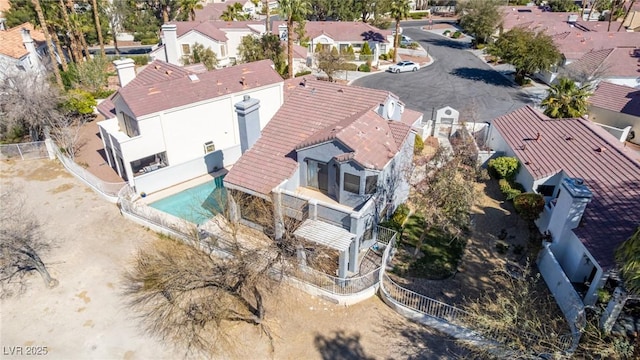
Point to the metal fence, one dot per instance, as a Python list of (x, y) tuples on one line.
[(336, 285), (452, 315), (24, 151)]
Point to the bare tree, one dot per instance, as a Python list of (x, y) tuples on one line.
[(330, 61), (29, 102), (191, 292), (21, 244)]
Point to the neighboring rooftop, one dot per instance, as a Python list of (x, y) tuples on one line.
[(11, 40), (583, 150), (618, 98), (346, 31), (213, 11), (314, 112), (576, 44), (606, 63), (162, 86)]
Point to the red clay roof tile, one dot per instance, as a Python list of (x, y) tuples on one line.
[(618, 98), (162, 86), (308, 116), (584, 150)]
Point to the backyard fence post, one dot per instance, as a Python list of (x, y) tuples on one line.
[(20, 151), (50, 149)]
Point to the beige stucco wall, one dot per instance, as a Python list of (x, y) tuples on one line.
[(616, 119)]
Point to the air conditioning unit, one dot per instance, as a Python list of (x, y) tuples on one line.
[(209, 147)]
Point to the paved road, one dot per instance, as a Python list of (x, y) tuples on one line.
[(457, 78)]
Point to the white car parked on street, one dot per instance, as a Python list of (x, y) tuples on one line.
[(404, 66)]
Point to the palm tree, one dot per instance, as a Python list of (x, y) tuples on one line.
[(399, 11), (292, 11), (75, 20), (47, 37), (73, 41), (566, 100), (189, 7), (96, 19), (268, 23), (628, 257), (233, 12)]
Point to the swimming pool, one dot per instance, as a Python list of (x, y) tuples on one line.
[(197, 204)]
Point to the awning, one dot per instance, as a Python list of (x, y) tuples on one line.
[(325, 234)]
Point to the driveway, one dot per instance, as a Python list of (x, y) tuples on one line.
[(457, 78)]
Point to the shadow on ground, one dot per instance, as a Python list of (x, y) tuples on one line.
[(447, 43), (418, 341), (341, 346), (488, 76)]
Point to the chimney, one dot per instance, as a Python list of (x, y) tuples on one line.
[(248, 122), (171, 51), (126, 69), (27, 40), (572, 200)]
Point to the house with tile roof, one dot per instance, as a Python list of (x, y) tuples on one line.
[(617, 109), (334, 160), (222, 37), (167, 124), (22, 48), (591, 185), (215, 9), (614, 65), (341, 35)]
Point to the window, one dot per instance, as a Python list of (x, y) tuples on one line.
[(352, 183), (209, 147), (371, 184), (318, 175), (546, 190), (130, 125), (186, 49)]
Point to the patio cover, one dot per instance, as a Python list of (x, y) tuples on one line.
[(325, 234)]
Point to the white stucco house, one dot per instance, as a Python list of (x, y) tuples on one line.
[(591, 185), (334, 160), (341, 35), (167, 125), (223, 37), (22, 48), (617, 109)]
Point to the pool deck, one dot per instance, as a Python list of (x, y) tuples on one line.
[(181, 187)]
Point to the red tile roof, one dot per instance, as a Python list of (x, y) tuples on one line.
[(584, 150), (206, 28), (344, 31), (617, 98), (213, 11), (607, 63), (311, 114), (107, 108), (11, 40), (578, 43), (162, 86)]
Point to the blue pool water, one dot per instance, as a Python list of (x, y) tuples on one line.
[(197, 204)]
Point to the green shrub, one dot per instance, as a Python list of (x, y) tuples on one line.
[(508, 191), (149, 41), (383, 57), (480, 46), (140, 60), (79, 101), (529, 205), (302, 73), (446, 32), (364, 68), (504, 167), (350, 66), (418, 145), (456, 35), (414, 45), (416, 16), (102, 93), (400, 215)]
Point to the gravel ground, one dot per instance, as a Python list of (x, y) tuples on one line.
[(85, 316)]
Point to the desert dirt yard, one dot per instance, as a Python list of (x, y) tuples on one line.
[(85, 316)]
